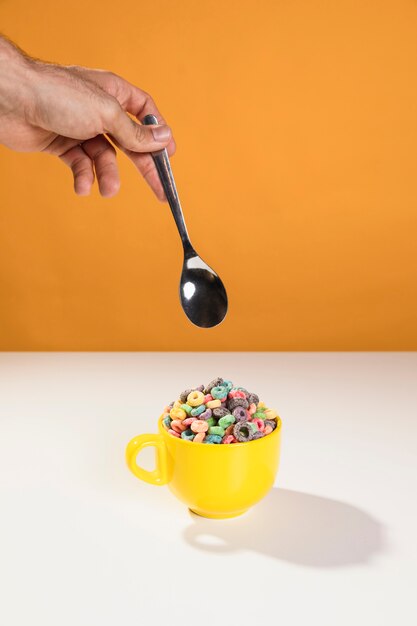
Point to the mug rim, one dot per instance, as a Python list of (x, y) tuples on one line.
[(274, 433)]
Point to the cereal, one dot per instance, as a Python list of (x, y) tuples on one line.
[(213, 439), (178, 426), (242, 431), (213, 404), (188, 434), (235, 402), (219, 392), (258, 435), (236, 393), (195, 398), (226, 421), (167, 422), (216, 430), (198, 410), (188, 421), (177, 414), (219, 413), (199, 426), (253, 399), (240, 414), (229, 439), (184, 395), (229, 430), (259, 424), (214, 383)]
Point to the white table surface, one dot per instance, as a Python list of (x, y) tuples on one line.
[(84, 543)]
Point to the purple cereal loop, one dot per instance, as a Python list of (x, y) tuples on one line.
[(220, 412), (235, 402), (240, 414), (253, 398), (184, 395), (206, 415), (242, 431), (214, 383), (272, 424)]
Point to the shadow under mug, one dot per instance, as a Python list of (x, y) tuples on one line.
[(216, 481)]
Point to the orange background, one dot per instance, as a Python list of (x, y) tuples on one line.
[(296, 125)]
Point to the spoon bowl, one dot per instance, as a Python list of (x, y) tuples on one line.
[(202, 293)]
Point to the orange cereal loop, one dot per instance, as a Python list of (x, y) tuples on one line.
[(268, 429), (178, 426), (229, 430), (199, 438), (199, 426), (177, 413), (195, 398)]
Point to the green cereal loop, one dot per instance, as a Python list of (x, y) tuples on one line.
[(226, 421), (253, 427), (259, 416), (187, 408), (216, 430), (211, 421)]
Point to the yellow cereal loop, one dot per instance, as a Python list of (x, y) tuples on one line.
[(177, 404), (270, 414), (261, 405), (213, 404), (195, 398), (177, 413)]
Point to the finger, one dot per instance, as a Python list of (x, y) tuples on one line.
[(82, 169), (146, 166), (131, 98), (144, 163), (129, 134), (102, 153)]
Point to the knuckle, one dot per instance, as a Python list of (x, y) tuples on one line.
[(111, 109), (140, 133)]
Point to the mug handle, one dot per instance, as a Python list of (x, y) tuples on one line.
[(158, 476)]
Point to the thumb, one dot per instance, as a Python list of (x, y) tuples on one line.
[(133, 136)]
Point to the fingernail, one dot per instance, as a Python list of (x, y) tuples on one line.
[(161, 133)]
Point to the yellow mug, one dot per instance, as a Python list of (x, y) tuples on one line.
[(215, 481)]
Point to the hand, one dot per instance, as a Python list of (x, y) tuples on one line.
[(71, 111)]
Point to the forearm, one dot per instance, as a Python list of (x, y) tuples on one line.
[(15, 78)]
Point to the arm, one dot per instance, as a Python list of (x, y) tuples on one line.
[(70, 112)]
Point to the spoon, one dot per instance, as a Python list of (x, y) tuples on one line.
[(202, 293)]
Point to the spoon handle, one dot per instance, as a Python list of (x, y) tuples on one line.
[(166, 177)]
